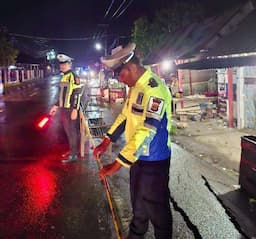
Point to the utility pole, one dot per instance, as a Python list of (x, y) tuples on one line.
[(105, 27)]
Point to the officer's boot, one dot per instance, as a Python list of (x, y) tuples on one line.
[(71, 158), (66, 154)]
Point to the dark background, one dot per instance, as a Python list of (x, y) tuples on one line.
[(39, 25)]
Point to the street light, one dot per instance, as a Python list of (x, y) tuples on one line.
[(98, 46), (166, 65)]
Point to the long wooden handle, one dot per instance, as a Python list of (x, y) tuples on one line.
[(105, 183)]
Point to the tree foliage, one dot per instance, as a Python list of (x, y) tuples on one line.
[(141, 32), (147, 34), (8, 53)]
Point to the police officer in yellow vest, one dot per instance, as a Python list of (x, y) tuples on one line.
[(68, 102), (146, 122)]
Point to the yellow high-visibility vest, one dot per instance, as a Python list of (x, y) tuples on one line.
[(69, 91), (146, 121)]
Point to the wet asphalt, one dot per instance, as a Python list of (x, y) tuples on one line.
[(40, 196), (43, 198)]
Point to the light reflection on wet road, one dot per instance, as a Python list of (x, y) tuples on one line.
[(46, 199), (41, 197)]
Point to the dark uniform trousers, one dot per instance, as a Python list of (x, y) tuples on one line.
[(150, 199), (71, 128)]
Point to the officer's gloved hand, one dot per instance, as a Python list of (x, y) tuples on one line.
[(53, 110), (109, 169), (102, 147), (74, 114)]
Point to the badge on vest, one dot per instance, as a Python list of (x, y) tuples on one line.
[(139, 98), (155, 105), (152, 82)]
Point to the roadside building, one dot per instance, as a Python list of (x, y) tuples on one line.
[(218, 58), (234, 60)]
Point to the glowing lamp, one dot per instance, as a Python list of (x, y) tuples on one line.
[(43, 122), (166, 65)]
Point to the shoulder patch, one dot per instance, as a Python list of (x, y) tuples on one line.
[(152, 82), (155, 105)]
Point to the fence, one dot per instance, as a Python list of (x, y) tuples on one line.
[(13, 76), (92, 124)]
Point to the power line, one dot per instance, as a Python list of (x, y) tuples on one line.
[(49, 38), (60, 39), (124, 9), (99, 35), (118, 8), (110, 6)]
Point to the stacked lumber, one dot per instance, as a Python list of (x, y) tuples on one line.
[(189, 110)]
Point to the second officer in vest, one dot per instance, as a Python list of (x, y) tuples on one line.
[(68, 102)]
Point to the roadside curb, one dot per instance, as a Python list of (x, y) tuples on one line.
[(12, 88)]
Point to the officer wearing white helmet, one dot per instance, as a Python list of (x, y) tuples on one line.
[(146, 122), (68, 102), (64, 58)]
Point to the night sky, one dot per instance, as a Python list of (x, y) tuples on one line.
[(83, 19)]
